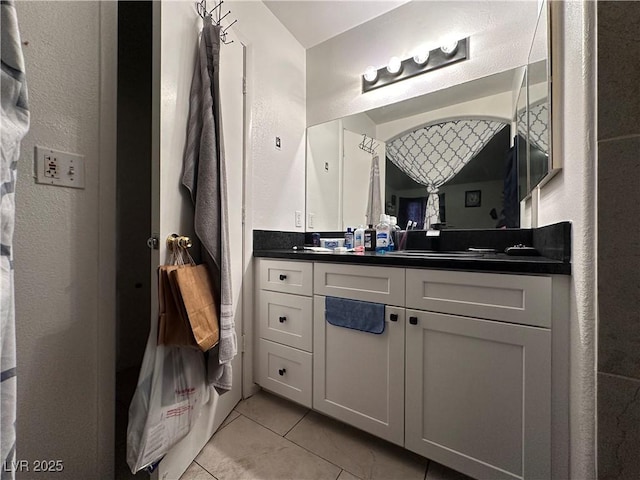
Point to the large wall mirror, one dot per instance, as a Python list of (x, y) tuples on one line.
[(461, 157)]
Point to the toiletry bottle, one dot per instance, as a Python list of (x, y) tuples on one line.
[(393, 238), (370, 239), (348, 238), (358, 237), (383, 232)]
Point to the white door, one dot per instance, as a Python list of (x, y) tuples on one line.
[(175, 47), (355, 179)]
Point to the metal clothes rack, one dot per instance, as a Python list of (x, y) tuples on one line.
[(368, 144), (216, 16)]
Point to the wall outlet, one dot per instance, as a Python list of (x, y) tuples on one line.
[(61, 169), (298, 218), (310, 220)]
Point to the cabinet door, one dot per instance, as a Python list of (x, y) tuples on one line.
[(478, 395), (358, 377)]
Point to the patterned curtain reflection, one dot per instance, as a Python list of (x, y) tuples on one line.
[(434, 154), (538, 129)]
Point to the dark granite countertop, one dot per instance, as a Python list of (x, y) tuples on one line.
[(491, 262)]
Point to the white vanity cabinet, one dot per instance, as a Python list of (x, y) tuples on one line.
[(462, 373), (284, 320), (478, 375), (358, 377)]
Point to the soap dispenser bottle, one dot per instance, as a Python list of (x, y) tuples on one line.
[(383, 233), (358, 237)]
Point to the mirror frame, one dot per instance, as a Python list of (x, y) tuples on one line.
[(554, 94)]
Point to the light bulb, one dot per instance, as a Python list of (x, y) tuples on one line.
[(421, 57), (370, 74), (449, 48), (394, 65)]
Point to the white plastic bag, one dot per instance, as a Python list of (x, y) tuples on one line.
[(168, 399)]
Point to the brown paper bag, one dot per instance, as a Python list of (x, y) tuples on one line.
[(173, 324), (193, 291)]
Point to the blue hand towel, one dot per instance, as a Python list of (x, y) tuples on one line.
[(355, 314)]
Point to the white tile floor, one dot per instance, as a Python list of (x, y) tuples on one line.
[(269, 438)]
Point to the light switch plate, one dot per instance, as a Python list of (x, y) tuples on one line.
[(298, 218), (57, 168)]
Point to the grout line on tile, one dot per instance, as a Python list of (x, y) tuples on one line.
[(630, 136), (621, 377), (297, 445), (228, 423), (296, 424), (202, 466), (319, 456), (343, 470), (326, 459), (264, 426)]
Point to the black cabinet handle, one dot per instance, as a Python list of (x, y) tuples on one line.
[(282, 371), (282, 319), (283, 277), (413, 320), (393, 317)]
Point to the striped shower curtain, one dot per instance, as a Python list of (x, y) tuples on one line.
[(15, 123)]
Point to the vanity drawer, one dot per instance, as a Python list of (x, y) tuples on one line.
[(518, 299), (370, 284), (285, 276), (285, 371), (285, 318)]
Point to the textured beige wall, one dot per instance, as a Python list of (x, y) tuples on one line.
[(276, 96), (63, 408), (570, 196)]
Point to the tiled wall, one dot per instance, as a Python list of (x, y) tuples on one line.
[(618, 239)]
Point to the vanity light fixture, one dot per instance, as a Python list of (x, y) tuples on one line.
[(449, 48), (421, 57), (394, 66), (421, 62), (370, 74)]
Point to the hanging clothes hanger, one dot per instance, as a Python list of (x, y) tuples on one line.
[(368, 144)]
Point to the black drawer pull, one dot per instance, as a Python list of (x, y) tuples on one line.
[(282, 319), (393, 317), (282, 371), (413, 320), (283, 277)]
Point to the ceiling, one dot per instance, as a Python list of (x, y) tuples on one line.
[(313, 21)]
